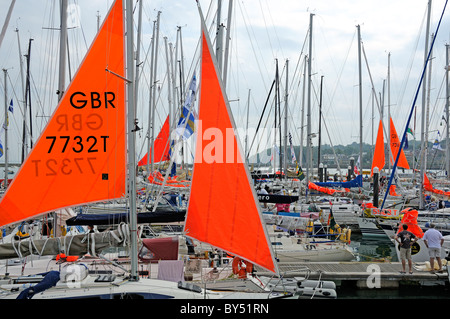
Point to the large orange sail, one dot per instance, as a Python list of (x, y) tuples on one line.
[(395, 145), (80, 156), (378, 155), (222, 209), (161, 146)]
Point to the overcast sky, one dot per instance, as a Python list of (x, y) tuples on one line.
[(262, 31)]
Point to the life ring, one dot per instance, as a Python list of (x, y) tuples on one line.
[(241, 267)]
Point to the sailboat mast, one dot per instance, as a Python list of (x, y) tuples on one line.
[(23, 91), (62, 50), (138, 53), (278, 118), (5, 150), (320, 127), (308, 113), (149, 142), (286, 119), (131, 138), (360, 100), (219, 36), (246, 129), (302, 128), (389, 106), (28, 105), (227, 43), (447, 150), (152, 136), (424, 93), (6, 23)]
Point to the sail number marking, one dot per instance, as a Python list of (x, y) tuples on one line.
[(65, 166), (92, 144)]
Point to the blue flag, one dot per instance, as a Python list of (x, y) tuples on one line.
[(186, 124)]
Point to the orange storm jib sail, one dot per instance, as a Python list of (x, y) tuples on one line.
[(233, 224), (161, 146), (379, 156), (395, 146), (410, 218), (80, 156)]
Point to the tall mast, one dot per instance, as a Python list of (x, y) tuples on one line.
[(308, 113), (246, 128), (149, 142), (360, 100), (27, 106), (320, 124), (5, 150), (227, 43), (286, 120), (389, 108), (23, 94), (302, 129), (131, 138), (62, 50), (6, 23), (152, 136), (447, 150), (422, 133), (138, 53), (169, 83), (219, 36)]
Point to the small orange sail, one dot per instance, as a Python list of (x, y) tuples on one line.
[(395, 145), (80, 156), (322, 189), (378, 155), (161, 146), (427, 186), (426, 183), (410, 218), (232, 223), (392, 191)]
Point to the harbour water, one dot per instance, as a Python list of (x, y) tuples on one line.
[(382, 249), (373, 249)]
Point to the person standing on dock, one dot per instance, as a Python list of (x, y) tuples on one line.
[(433, 240), (406, 239)]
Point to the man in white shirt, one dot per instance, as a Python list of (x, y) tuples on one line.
[(433, 240)]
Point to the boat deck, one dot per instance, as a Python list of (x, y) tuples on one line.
[(387, 273)]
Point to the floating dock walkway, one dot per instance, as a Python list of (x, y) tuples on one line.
[(363, 274)]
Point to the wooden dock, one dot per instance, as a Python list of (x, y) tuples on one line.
[(386, 274)]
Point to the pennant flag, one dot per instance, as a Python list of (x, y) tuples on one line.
[(11, 108), (186, 124), (358, 164), (293, 158), (331, 223), (410, 131), (6, 122), (300, 174), (436, 144)]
